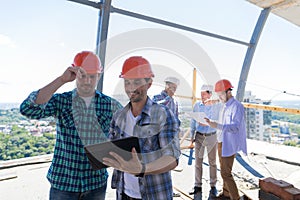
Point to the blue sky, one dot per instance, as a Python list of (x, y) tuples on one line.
[(38, 40)]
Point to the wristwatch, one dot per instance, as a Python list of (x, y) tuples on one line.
[(142, 173)]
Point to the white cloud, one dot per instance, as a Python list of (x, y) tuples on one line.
[(6, 41)]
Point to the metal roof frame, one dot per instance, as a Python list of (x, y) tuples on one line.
[(106, 8)]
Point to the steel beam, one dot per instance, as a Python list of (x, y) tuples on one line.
[(250, 53), (103, 24), (174, 25), (104, 13)]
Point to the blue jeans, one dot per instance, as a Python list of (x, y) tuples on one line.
[(97, 194)]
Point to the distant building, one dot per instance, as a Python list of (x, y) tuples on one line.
[(267, 114), (256, 119)]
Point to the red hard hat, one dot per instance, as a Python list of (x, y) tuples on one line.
[(136, 67), (222, 85), (89, 61)]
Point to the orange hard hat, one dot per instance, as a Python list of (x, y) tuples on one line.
[(136, 67), (89, 61), (223, 85)]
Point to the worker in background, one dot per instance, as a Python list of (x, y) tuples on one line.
[(82, 117), (231, 137), (157, 129), (205, 136), (166, 97)]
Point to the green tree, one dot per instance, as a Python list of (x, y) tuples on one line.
[(20, 144)]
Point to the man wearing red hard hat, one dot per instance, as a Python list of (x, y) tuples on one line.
[(231, 136), (147, 177), (82, 117)]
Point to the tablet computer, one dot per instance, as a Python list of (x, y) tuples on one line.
[(123, 147)]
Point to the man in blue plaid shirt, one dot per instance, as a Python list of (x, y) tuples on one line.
[(82, 117), (155, 125), (166, 97)]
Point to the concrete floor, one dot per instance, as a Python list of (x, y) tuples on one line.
[(29, 182)]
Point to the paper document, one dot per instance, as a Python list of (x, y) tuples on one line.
[(198, 116)]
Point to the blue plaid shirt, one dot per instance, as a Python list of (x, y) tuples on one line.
[(157, 129), (164, 99), (76, 126)]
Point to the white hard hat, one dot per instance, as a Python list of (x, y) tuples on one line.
[(172, 80), (207, 88)]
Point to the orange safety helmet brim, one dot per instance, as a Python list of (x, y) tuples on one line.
[(136, 67), (89, 61), (223, 85)]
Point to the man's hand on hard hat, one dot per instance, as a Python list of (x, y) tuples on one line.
[(71, 73), (132, 166)]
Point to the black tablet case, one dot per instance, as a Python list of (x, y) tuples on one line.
[(123, 147)]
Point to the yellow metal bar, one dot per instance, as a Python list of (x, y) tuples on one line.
[(272, 108), (255, 106), (194, 86)]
